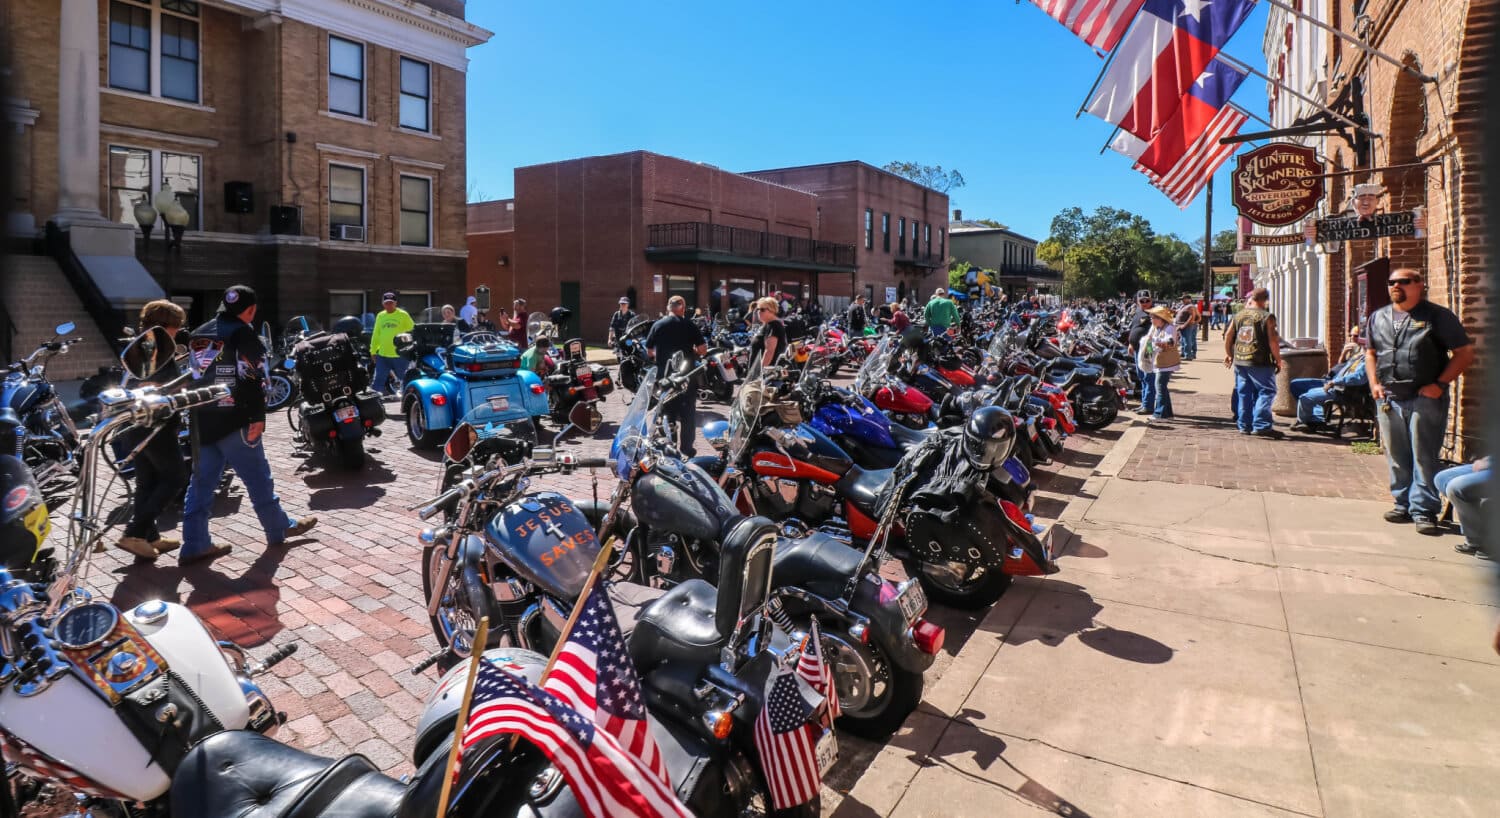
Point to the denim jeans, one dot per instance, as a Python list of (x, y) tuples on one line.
[(1254, 389), (1466, 489), (1162, 395), (684, 410), (384, 368), (1148, 391), (1412, 430), (1189, 336), (1310, 396), (249, 462)]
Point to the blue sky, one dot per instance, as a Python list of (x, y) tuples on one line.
[(989, 88)]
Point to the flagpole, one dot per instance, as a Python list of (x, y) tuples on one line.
[(1354, 41), (1110, 141), (1208, 240), (1262, 120), (1107, 62), (1294, 92), (476, 655)]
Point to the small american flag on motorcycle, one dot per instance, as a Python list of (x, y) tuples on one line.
[(43, 768)]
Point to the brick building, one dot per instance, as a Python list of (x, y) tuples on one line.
[(1427, 154), (899, 228), (492, 246), (1002, 251), (588, 231), (317, 146)]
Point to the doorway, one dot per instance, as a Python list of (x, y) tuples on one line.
[(571, 299)]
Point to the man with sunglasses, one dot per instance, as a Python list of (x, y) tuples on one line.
[(1417, 349)]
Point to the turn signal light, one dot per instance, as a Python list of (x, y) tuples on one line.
[(928, 636), (719, 723), (536, 389), (1015, 514), (439, 399)]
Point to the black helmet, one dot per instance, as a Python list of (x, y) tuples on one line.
[(24, 521), (989, 437), (560, 315), (349, 325)]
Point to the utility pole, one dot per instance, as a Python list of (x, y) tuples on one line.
[(1208, 240)]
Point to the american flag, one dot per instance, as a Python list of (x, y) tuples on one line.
[(1202, 160), (1100, 23), (606, 780), (38, 765), (786, 738), (594, 675), (812, 669)]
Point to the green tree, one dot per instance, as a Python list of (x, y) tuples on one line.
[(958, 275), (1112, 250), (932, 176)]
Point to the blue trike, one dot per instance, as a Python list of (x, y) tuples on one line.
[(481, 379)]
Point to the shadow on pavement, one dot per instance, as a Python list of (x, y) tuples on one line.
[(1064, 609)]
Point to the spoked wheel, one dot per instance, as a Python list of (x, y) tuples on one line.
[(875, 694), (958, 585), (279, 390), (464, 601)]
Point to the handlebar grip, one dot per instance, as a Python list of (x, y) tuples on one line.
[(282, 654), (446, 499), (590, 462)]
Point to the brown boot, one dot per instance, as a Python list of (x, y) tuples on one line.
[(304, 525), (165, 545), (137, 546)]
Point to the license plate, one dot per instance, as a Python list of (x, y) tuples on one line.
[(912, 601), (499, 403), (828, 752), (1053, 436), (729, 376), (345, 414)]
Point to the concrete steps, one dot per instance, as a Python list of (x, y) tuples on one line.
[(38, 297)]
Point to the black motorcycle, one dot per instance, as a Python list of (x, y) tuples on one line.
[(37, 426), (630, 351), (337, 410)]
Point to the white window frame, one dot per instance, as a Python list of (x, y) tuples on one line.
[(156, 171), (400, 65), (364, 78), (154, 53), (431, 206), (364, 198)]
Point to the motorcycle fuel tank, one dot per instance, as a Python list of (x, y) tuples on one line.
[(21, 394), (546, 540), (679, 498), (858, 419)]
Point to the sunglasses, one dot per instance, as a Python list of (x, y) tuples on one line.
[(1403, 282)]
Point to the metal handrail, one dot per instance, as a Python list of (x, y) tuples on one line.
[(740, 241)]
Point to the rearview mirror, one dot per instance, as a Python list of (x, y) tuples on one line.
[(65, 328), (586, 417), (461, 442), (147, 353)]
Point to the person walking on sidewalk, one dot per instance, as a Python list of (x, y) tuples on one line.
[(231, 431), (389, 322), (1187, 321), (1253, 347), (1158, 358), (160, 472), (1140, 324), (1417, 350)]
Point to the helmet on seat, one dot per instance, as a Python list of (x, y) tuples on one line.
[(989, 437)]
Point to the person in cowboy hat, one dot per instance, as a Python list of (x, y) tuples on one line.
[(1157, 358)]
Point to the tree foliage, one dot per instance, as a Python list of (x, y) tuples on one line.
[(1112, 251), (932, 176), (958, 275)]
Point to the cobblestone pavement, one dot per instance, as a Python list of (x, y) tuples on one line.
[(350, 593), (1203, 447)]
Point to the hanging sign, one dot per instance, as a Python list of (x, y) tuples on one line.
[(1277, 184), (1257, 240), (1354, 228)]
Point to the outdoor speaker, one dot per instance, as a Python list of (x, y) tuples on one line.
[(239, 197), (286, 221)]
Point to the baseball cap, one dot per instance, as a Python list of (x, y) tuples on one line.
[(1143, 295), (237, 299), (387, 297), (624, 300)]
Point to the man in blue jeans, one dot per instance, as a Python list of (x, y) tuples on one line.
[(1253, 347), (1467, 487), (1312, 393), (231, 431), (1417, 350)]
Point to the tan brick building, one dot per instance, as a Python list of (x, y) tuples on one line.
[(317, 146), (1427, 154)]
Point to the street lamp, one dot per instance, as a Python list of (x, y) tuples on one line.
[(145, 216), (177, 219)]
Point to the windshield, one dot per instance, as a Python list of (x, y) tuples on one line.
[(634, 428), (814, 370), (876, 366), (302, 325), (749, 404), (1001, 343)]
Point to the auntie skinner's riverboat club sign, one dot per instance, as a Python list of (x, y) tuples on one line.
[(1280, 184)]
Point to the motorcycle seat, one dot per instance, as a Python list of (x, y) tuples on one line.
[(817, 556), (243, 774), (864, 486), (678, 627), (907, 436)]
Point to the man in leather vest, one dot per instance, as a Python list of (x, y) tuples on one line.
[(1417, 349), (1140, 324), (1253, 347), (231, 431)]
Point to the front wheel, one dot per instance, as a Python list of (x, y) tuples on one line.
[(280, 390), (875, 694), (416, 427), (1095, 406), (968, 588), (352, 453), (465, 600)]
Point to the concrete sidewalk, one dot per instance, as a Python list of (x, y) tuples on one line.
[(1212, 651)]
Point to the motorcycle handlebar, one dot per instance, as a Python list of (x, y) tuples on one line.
[(193, 397), (443, 501)]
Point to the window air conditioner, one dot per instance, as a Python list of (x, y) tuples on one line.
[(350, 232)]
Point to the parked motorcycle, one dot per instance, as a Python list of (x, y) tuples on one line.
[(630, 351), (337, 410), (279, 374), (103, 702), (574, 382), (41, 430)]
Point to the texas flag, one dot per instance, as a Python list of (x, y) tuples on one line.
[(1199, 107), (1170, 46)]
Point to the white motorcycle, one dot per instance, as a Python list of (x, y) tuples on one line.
[(106, 703)]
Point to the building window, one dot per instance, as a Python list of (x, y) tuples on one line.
[(901, 237), (685, 286), (413, 300), (136, 175), (345, 302), (346, 77), (143, 36), (927, 239), (346, 199), (916, 249), (885, 232), (416, 95), (869, 229), (129, 47), (416, 211), (943, 243)]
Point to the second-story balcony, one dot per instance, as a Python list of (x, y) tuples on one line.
[(722, 244)]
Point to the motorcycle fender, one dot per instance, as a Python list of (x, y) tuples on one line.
[(535, 402), (353, 430), (421, 390), (888, 627)]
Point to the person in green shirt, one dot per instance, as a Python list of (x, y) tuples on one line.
[(535, 358), (390, 322), (941, 313)]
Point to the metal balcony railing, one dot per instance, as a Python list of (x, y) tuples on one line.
[(739, 241)]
